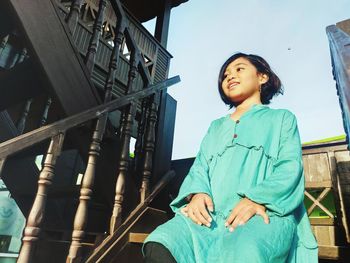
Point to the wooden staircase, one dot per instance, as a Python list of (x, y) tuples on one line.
[(75, 95), (127, 240)]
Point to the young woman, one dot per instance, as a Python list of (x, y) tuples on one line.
[(242, 200)]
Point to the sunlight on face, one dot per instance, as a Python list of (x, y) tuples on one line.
[(241, 80)]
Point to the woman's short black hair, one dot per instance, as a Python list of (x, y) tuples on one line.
[(271, 88)]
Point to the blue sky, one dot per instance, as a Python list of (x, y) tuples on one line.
[(203, 34)]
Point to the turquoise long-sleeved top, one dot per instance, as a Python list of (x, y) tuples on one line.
[(258, 157)]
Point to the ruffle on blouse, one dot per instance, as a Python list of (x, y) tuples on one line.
[(233, 143)]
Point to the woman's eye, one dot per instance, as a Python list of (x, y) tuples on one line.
[(239, 68)]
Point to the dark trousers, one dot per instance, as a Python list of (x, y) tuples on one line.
[(156, 252)]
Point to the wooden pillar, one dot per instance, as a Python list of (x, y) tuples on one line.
[(162, 24)]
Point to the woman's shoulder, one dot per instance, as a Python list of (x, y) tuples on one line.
[(283, 113), (218, 121)]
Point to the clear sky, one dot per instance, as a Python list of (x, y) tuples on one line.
[(290, 35)]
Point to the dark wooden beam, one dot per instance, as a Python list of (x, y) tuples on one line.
[(162, 24)]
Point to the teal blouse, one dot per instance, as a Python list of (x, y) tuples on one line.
[(258, 157)]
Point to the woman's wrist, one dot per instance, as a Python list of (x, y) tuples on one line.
[(189, 197)]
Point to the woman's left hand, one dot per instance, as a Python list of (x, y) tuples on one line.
[(243, 211)]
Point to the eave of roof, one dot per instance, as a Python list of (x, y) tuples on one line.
[(147, 9)]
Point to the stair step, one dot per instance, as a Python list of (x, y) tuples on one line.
[(137, 237)]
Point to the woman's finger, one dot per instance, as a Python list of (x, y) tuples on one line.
[(245, 217), (209, 203), (201, 217), (193, 216), (241, 218), (232, 216), (262, 213)]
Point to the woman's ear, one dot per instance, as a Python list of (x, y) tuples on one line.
[(263, 78)]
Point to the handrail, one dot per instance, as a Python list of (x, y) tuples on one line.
[(110, 241), (28, 139)]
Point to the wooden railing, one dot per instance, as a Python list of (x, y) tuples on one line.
[(156, 57), (56, 133), (141, 88)]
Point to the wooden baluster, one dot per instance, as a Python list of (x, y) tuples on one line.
[(22, 56), (45, 112), (95, 37), (73, 15), (37, 213), (130, 112), (2, 165), (112, 69), (80, 219), (140, 133), (22, 121), (142, 126), (149, 148), (3, 43)]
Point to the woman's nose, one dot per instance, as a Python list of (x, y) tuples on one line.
[(229, 78)]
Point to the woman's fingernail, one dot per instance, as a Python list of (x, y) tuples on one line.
[(226, 224), (231, 229), (209, 219)]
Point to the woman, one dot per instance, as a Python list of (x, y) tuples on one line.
[(242, 200)]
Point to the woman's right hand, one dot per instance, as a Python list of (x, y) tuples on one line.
[(196, 209)]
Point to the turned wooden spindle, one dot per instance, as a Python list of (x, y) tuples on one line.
[(2, 165), (95, 37), (140, 135), (37, 213), (45, 112), (22, 56), (80, 219), (148, 151), (81, 215), (22, 121), (123, 165), (73, 15), (3, 43)]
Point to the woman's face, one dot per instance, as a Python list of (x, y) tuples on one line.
[(242, 80)]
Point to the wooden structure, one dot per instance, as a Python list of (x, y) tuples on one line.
[(327, 190), (79, 80)]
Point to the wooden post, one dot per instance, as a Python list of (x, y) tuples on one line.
[(162, 24), (37, 213)]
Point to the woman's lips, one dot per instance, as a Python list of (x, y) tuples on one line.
[(233, 84)]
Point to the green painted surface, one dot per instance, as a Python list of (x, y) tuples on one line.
[(328, 202)]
